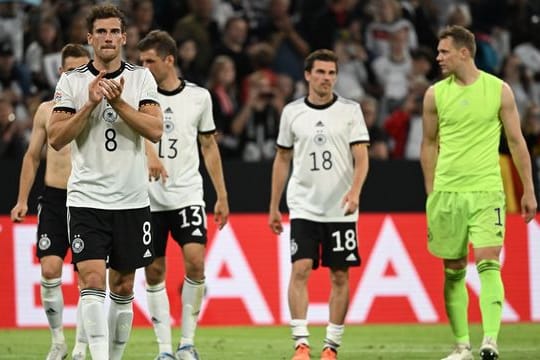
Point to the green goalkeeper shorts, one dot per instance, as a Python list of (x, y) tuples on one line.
[(456, 218)]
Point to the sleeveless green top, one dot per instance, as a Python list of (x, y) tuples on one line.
[(469, 134)]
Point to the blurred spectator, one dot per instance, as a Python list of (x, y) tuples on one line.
[(388, 20), (404, 125), (261, 56), (143, 17), (423, 59), (531, 129), (130, 51), (12, 143), (233, 44), (12, 25), (352, 75), (49, 41), (378, 139), (223, 89), (77, 31), (257, 123), (199, 26), (287, 39), (458, 13), (15, 83), (520, 79), (392, 72), (187, 53), (423, 14)]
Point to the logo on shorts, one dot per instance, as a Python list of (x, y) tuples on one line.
[(77, 245), (109, 115), (351, 257), (44, 242), (294, 247)]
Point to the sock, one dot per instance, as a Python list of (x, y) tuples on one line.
[(53, 303), (95, 323), (300, 332), (456, 300), (192, 295), (120, 322), (81, 342), (491, 297), (158, 305), (334, 333)]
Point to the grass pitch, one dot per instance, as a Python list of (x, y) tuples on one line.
[(377, 342)]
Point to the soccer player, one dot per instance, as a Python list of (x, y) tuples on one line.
[(176, 200), (327, 137), (105, 110), (52, 235), (462, 119)]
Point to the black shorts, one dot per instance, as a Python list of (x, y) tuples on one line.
[(334, 244), (52, 230), (123, 238), (187, 225)]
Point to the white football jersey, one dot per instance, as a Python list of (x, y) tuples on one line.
[(187, 112), (321, 138), (108, 157)]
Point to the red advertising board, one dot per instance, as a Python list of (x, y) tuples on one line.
[(247, 271)]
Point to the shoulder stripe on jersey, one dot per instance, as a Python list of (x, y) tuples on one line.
[(359, 142), (148, 102), (284, 147), (64, 109), (80, 69), (207, 132), (131, 67)]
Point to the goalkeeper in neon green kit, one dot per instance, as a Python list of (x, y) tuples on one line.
[(462, 120)]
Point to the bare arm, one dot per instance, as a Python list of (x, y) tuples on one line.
[(280, 172), (429, 149), (361, 166), (147, 120), (156, 170), (518, 148), (212, 162), (31, 161)]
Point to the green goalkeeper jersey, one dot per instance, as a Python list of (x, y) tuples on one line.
[(469, 134)]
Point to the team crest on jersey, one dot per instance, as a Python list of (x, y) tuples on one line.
[(168, 126), (44, 242), (294, 247), (109, 115), (77, 245), (320, 138)]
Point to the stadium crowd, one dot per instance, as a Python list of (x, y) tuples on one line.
[(249, 54)]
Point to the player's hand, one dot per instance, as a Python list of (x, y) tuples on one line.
[(221, 213), (156, 170), (112, 89), (349, 203), (274, 221), (95, 92), (528, 207), (19, 212)]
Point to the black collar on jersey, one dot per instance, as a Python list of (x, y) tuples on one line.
[(323, 106), (175, 91), (112, 75)]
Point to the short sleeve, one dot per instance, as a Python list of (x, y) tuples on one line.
[(149, 92), (206, 123), (63, 96), (285, 137), (358, 130)]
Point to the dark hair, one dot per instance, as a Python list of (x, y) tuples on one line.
[(105, 11), (161, 42), (461, 37), (321, 55), (74, 50)]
